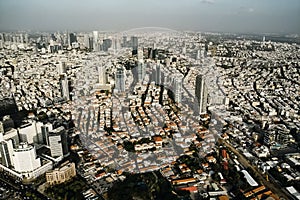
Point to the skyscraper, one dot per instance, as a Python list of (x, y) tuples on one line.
[(158, 74), (86, 40), (107, 43), (198, 54), (72, 38), (58, 142), (141, 70), (12, 134), (61, 67), (1, 127), (177, 86), (95, 41), (91, 44), (102, 75), (6, 150), (45, 133), (64, 83), (201, 94), (134, 45), (124, 43), (120, 79)]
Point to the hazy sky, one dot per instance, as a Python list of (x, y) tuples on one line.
[(258, 16)]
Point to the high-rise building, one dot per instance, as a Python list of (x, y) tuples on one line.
[(8, 123), (158, 74), (134, 45), (25, 158), (12, 134), (95, 36), (1, 127), (72, 38), (61, 68), (45, 133), (140, 55), (120, 79), (177, 87), (107, 43), (64, 84), (86, 40), (28, 133), (198, 55), (91, 44), (95, 41), (6, 150), (201, 94), (58, 142), (38, 126), (124, 43), (102, 75), (140, 70)]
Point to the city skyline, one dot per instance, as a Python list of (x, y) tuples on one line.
[(266, 16)]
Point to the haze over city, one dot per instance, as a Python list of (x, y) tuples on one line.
[(256, 16), (149, 100)]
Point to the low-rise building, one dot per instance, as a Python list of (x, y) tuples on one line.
[(61, 174)]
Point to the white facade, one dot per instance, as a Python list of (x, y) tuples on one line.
[(65, 88), (25, 159), (11, 134), (102, 75), (177, 86), (28, 133)]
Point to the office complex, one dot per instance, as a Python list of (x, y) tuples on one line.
[(58, 142), (28, 132), (29, 164)]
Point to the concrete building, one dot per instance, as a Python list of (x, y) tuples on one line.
[(28, 133), (158, 74), (45, 133), (177, 87), (134, 45), (102, 75), (11, 134), (58, 142), (120, 79), (140, 70), (6, 150), (201, 95), (25, 159), (64, 84), (61, 68), (62, 174), (95, 41)]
